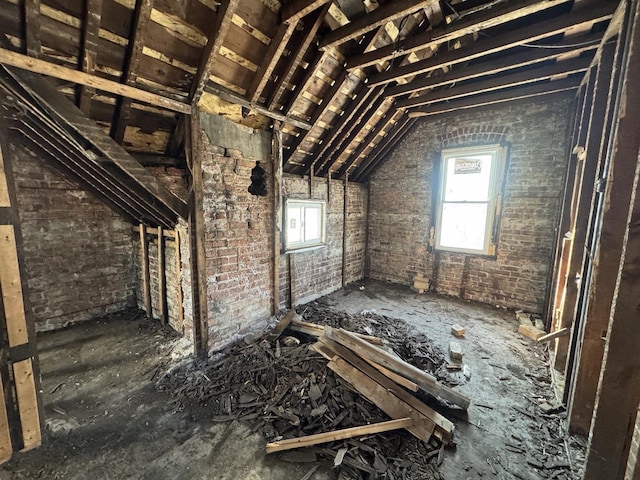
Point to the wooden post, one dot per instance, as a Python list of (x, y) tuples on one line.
[(619, 386), (179, 280), (277, 212), (196, 240), (144, 264), (292, 279), (599, 282), (21, 411), (162, 280), (344, 230)]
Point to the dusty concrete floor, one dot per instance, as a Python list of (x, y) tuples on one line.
[(106, 420)]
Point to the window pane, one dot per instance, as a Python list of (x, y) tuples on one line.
[(312, 226), (294, 224), (463, 225), (468, 178)]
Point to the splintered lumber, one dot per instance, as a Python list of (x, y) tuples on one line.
[(530, 331), (553, 335), (282, 325), (309, 440), (316, 330), (329, 349), (421, 427), (425, 381)]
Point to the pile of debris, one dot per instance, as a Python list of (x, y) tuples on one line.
[(282, 386)]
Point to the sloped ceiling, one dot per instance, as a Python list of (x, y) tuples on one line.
[(346, 78)]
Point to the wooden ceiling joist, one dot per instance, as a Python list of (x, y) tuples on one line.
[(502, 64), (357, 108), (502, 96), (306, 81), (383, 148), (498, 15), (24, 62), (343, 171), (296, 56), (232, 97), (297, 9), (89, 50), (271, 59), (358, 122), (218, 32), (32, 28), (500, 43), (499, 83), (141, 17), (382, 15)]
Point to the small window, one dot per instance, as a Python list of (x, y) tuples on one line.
[(468, 199), (304, 224)]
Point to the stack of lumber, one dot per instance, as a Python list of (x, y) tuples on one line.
[(364, 413)]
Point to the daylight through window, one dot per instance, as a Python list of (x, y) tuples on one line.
[(468, 197), (305, 224)]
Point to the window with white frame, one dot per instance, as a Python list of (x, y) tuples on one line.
[(304, 224), (468, 199)]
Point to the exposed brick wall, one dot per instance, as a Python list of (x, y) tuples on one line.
[(78, 252), (177, 283), (401, 197), (633, 466), (318, 272), (239, 234)]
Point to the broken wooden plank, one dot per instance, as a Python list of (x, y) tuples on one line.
[(282, 325), (309, 440), (425, 381), (444, 427), (530, 331), (316, 330), (553, 335)]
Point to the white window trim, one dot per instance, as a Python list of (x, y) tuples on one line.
[(304, 246), (499, 154)]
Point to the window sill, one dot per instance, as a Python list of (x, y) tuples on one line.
[(304, 249)]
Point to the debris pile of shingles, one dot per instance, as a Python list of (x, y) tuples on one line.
[(283, 389)]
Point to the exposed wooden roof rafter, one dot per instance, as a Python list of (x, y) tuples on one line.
[(31, 13), (218, 32), (297, 9), (142, 15), (89, 50)]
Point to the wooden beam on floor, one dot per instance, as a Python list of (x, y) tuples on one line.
[(502, 64), (559, 25), (216, 37), (343, 434), (31, 11), (141, 17), (295, 57), (296, 10), (89, 50), (232, 97), (271, 59), (619, 384), (388, 12), (24, 62), (499, 83)]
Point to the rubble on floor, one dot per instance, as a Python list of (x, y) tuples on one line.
[(285, 390)]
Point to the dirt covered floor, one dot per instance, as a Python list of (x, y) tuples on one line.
[(122, 402)]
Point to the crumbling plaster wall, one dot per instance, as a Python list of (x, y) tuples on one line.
[(239, 233), (77, 251), (401, 204)]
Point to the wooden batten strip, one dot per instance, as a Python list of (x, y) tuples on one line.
[(27, 403), (6, 447), (12, 288), (344, 434)]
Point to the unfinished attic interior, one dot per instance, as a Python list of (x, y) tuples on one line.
[(313, 239)]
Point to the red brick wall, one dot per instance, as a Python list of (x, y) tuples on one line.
[(401, 192), (239, 234), (78, 252), (319, 272)]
